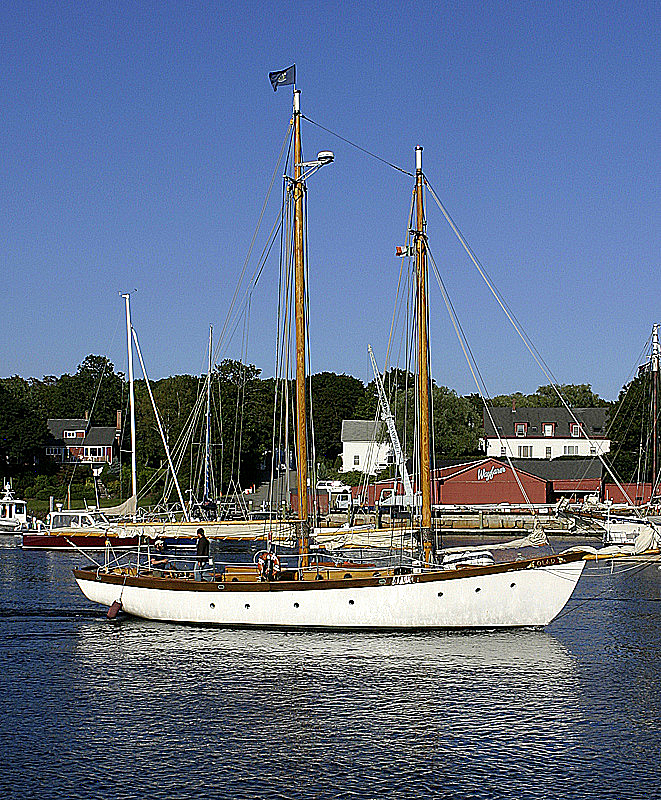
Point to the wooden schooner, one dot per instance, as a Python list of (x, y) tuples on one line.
[(425, 593)]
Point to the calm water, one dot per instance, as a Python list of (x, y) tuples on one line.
[(144, 710)]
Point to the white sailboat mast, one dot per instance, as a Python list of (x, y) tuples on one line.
[(129, 344), (160, 427), (655, 386), (207, 440)]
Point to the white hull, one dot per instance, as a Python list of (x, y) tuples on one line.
[(487, 598)]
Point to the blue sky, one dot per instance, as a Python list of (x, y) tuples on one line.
[(138, 141)]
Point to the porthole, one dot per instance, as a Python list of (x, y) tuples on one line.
[(440, 594), (295, 605), (512, 585), (235, 580), (350, 602), (212, 605), (247, 605), (348, 575), (478, 589), (221, 586)]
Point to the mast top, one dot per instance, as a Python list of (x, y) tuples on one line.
[(297, 101), (418, 159)]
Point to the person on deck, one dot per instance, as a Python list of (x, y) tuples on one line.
[(201, 554), (159, 560)]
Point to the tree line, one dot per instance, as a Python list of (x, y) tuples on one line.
[(242, 422)]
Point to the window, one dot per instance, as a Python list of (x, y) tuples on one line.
[(571, 450), (575, 429), (548, 452), (356, 461), (503, 451), (525, 451), (70, 434), (548, 428), (520, 428), (593, 451)]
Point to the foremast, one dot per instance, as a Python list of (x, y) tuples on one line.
[(420, 240)]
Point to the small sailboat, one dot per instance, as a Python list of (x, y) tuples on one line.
[(502, 588)]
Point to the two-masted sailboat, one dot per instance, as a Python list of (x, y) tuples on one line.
[(432, 591)]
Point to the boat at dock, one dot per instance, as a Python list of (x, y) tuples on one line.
[(78, 529), (13, 512)]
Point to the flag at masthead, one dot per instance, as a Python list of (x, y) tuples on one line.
[(283, 77)]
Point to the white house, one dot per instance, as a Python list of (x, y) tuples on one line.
[(545, 432), (365, 446)]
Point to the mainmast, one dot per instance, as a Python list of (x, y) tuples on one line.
[(423, 360), (299, 305)]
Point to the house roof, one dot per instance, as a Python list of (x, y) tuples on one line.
[(593, 421), (362, 430), (94, 437), (58, 426), (100, 436), (573, 469)]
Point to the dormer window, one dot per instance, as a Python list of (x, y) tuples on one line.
[(575, 429), (70, 434), (520, 428), (548, 428)]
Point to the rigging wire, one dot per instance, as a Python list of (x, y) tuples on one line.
[(524, 337), (287, 139), (576, 606), (358, 147)]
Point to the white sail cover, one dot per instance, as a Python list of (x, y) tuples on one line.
[(125, 509)]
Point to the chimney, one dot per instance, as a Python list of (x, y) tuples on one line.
[(87, 416), (514, 405), (118, 428)]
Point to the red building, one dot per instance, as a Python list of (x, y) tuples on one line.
[(487, 482), (76, 441), (636, 493)]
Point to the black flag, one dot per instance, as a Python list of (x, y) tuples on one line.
[(284, 77)]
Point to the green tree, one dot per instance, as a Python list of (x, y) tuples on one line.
[(23, 430), (576, 395), (631, 431), (95, 389), (334, 398)]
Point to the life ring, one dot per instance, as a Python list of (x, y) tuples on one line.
[(268, 565)]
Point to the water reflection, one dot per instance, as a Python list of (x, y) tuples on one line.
[(88, 709)]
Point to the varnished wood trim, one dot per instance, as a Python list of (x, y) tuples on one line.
[(182, 585)]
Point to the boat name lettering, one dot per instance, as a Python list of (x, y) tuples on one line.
[(398, 579), (544, 562), (487, 474)]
